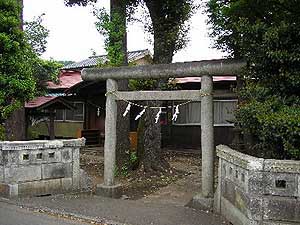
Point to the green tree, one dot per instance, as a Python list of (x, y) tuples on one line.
[(265, 34), (44, 71), (116, 46), (169, 28), (23, 73), (36, 34), (16, 59)]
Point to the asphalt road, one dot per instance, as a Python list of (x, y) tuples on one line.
[(13, 215)]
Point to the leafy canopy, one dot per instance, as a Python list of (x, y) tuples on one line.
[(113, 29), (22, 72), (16, 59), (36, 34), (265, 34)]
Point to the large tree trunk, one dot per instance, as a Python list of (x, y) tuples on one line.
[(150, 153), (123, 145), (15, 126), (152, 158), (165, 31)]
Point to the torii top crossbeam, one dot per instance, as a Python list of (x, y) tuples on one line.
[(220, 67)]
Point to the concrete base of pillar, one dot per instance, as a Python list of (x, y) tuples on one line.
[(202, 203), (114, 191)]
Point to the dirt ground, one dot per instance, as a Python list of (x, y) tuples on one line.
[(177, 185)]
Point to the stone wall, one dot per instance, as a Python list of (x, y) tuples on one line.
[(257, 191), (39, 167)]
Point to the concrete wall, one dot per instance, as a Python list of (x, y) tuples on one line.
[(39, 167), (257, 191)]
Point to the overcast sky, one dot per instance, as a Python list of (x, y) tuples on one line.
[(73, 35)]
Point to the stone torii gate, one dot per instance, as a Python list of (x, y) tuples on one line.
[(205, 69)]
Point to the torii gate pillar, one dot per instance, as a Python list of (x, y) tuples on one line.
[(207, 137), (109, 188), (205, 199)]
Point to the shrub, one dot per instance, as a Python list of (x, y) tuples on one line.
[(274, 125)]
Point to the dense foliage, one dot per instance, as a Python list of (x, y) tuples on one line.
[(16, 60), (113, 29), (23, 74), (169, 26), (265, 34), (36, 34), (43, 71)]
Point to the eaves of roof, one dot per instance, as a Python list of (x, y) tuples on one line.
[(47, 102)]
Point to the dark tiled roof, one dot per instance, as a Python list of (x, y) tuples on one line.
[(94, 60)]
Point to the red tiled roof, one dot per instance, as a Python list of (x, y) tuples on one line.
[(67, 79), (198, 79), (46, 102), (39, 101)]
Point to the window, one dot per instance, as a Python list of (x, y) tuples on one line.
[(190, 114), (77, 114), (71, 115), (59, 114), (224, 112)]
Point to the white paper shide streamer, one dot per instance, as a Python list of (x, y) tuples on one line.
[(158, 115), (140, 114), (127, 109), (175, 115)]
